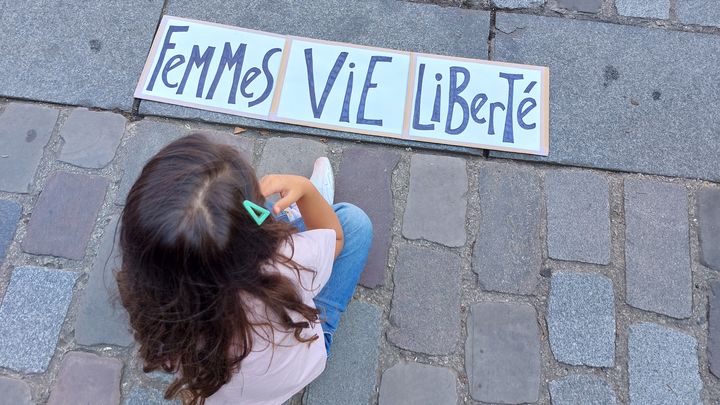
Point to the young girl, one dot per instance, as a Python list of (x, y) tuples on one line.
[(239, 305)]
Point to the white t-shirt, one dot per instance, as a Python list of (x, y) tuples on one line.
[(268, 376)]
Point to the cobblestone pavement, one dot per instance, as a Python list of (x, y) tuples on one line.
[(492, 279)]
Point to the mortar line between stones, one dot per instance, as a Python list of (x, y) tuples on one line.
[(491, 35)]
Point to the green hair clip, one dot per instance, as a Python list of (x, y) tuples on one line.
[(258, 213)]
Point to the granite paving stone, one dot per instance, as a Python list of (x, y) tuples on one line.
[(145, 396), (708, 208), (151, 136), (381, 23), (585, 6), (350, 374), (290, 156), (507, 254), (713, 344), (437, 200), (101, 319), (662, 366), (25, 129), (657, 251), (14, 392), (699, 12), (9, 216), (579, 389), (86, 378), (425, 313), (644, 8), (76, 53), (581, 319), (418, 384), (365, 179), (633, 76), (31, 315), (91, 137), (64, 216), (512, 4), (578, 216), (502, 353)]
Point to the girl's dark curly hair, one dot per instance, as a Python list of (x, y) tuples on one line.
[(190, 251)]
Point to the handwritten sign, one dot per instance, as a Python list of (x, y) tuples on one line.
[(338, 86)]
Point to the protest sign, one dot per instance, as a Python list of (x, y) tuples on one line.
[(346, 87)]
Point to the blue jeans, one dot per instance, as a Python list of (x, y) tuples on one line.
[(335, 296)]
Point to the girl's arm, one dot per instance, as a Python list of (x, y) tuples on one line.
[(315, 211)]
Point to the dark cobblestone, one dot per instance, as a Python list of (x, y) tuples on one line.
[(425, 313), (64, 215), (657, 251), (365, 179), (85, 378), (25, 129)]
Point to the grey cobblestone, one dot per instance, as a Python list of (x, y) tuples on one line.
[(349, 378), (503, 346), (631, 74), (578, 216), (290, 155), (644, 8), (662, 366), (32, 312), (86, 378), (436, 202), (72, 53), (418, 384), (64, 216), (708, 208), (713, 344), (365, 179), (25, 129), (581, 319), (91, 137), (581, 390), (9, 215), (425, 313), (700, 12), (505, 259), (585, 6), (100, 320), (514, 4), (657, 251), (147, 396), (14, 392)]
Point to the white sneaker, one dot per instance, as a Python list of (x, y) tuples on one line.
[(323, 179)]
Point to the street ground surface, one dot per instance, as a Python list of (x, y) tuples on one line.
[(589, 276)]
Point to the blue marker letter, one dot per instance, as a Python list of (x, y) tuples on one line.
[(369, 85), (166, 45), (268, 76), (508, 134), (318, 108), (418, 96), (229, 60), (197, 60), (455, 98)]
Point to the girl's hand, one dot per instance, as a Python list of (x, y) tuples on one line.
[(290, 187)]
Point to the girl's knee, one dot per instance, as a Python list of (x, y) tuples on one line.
[(354, 220)]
